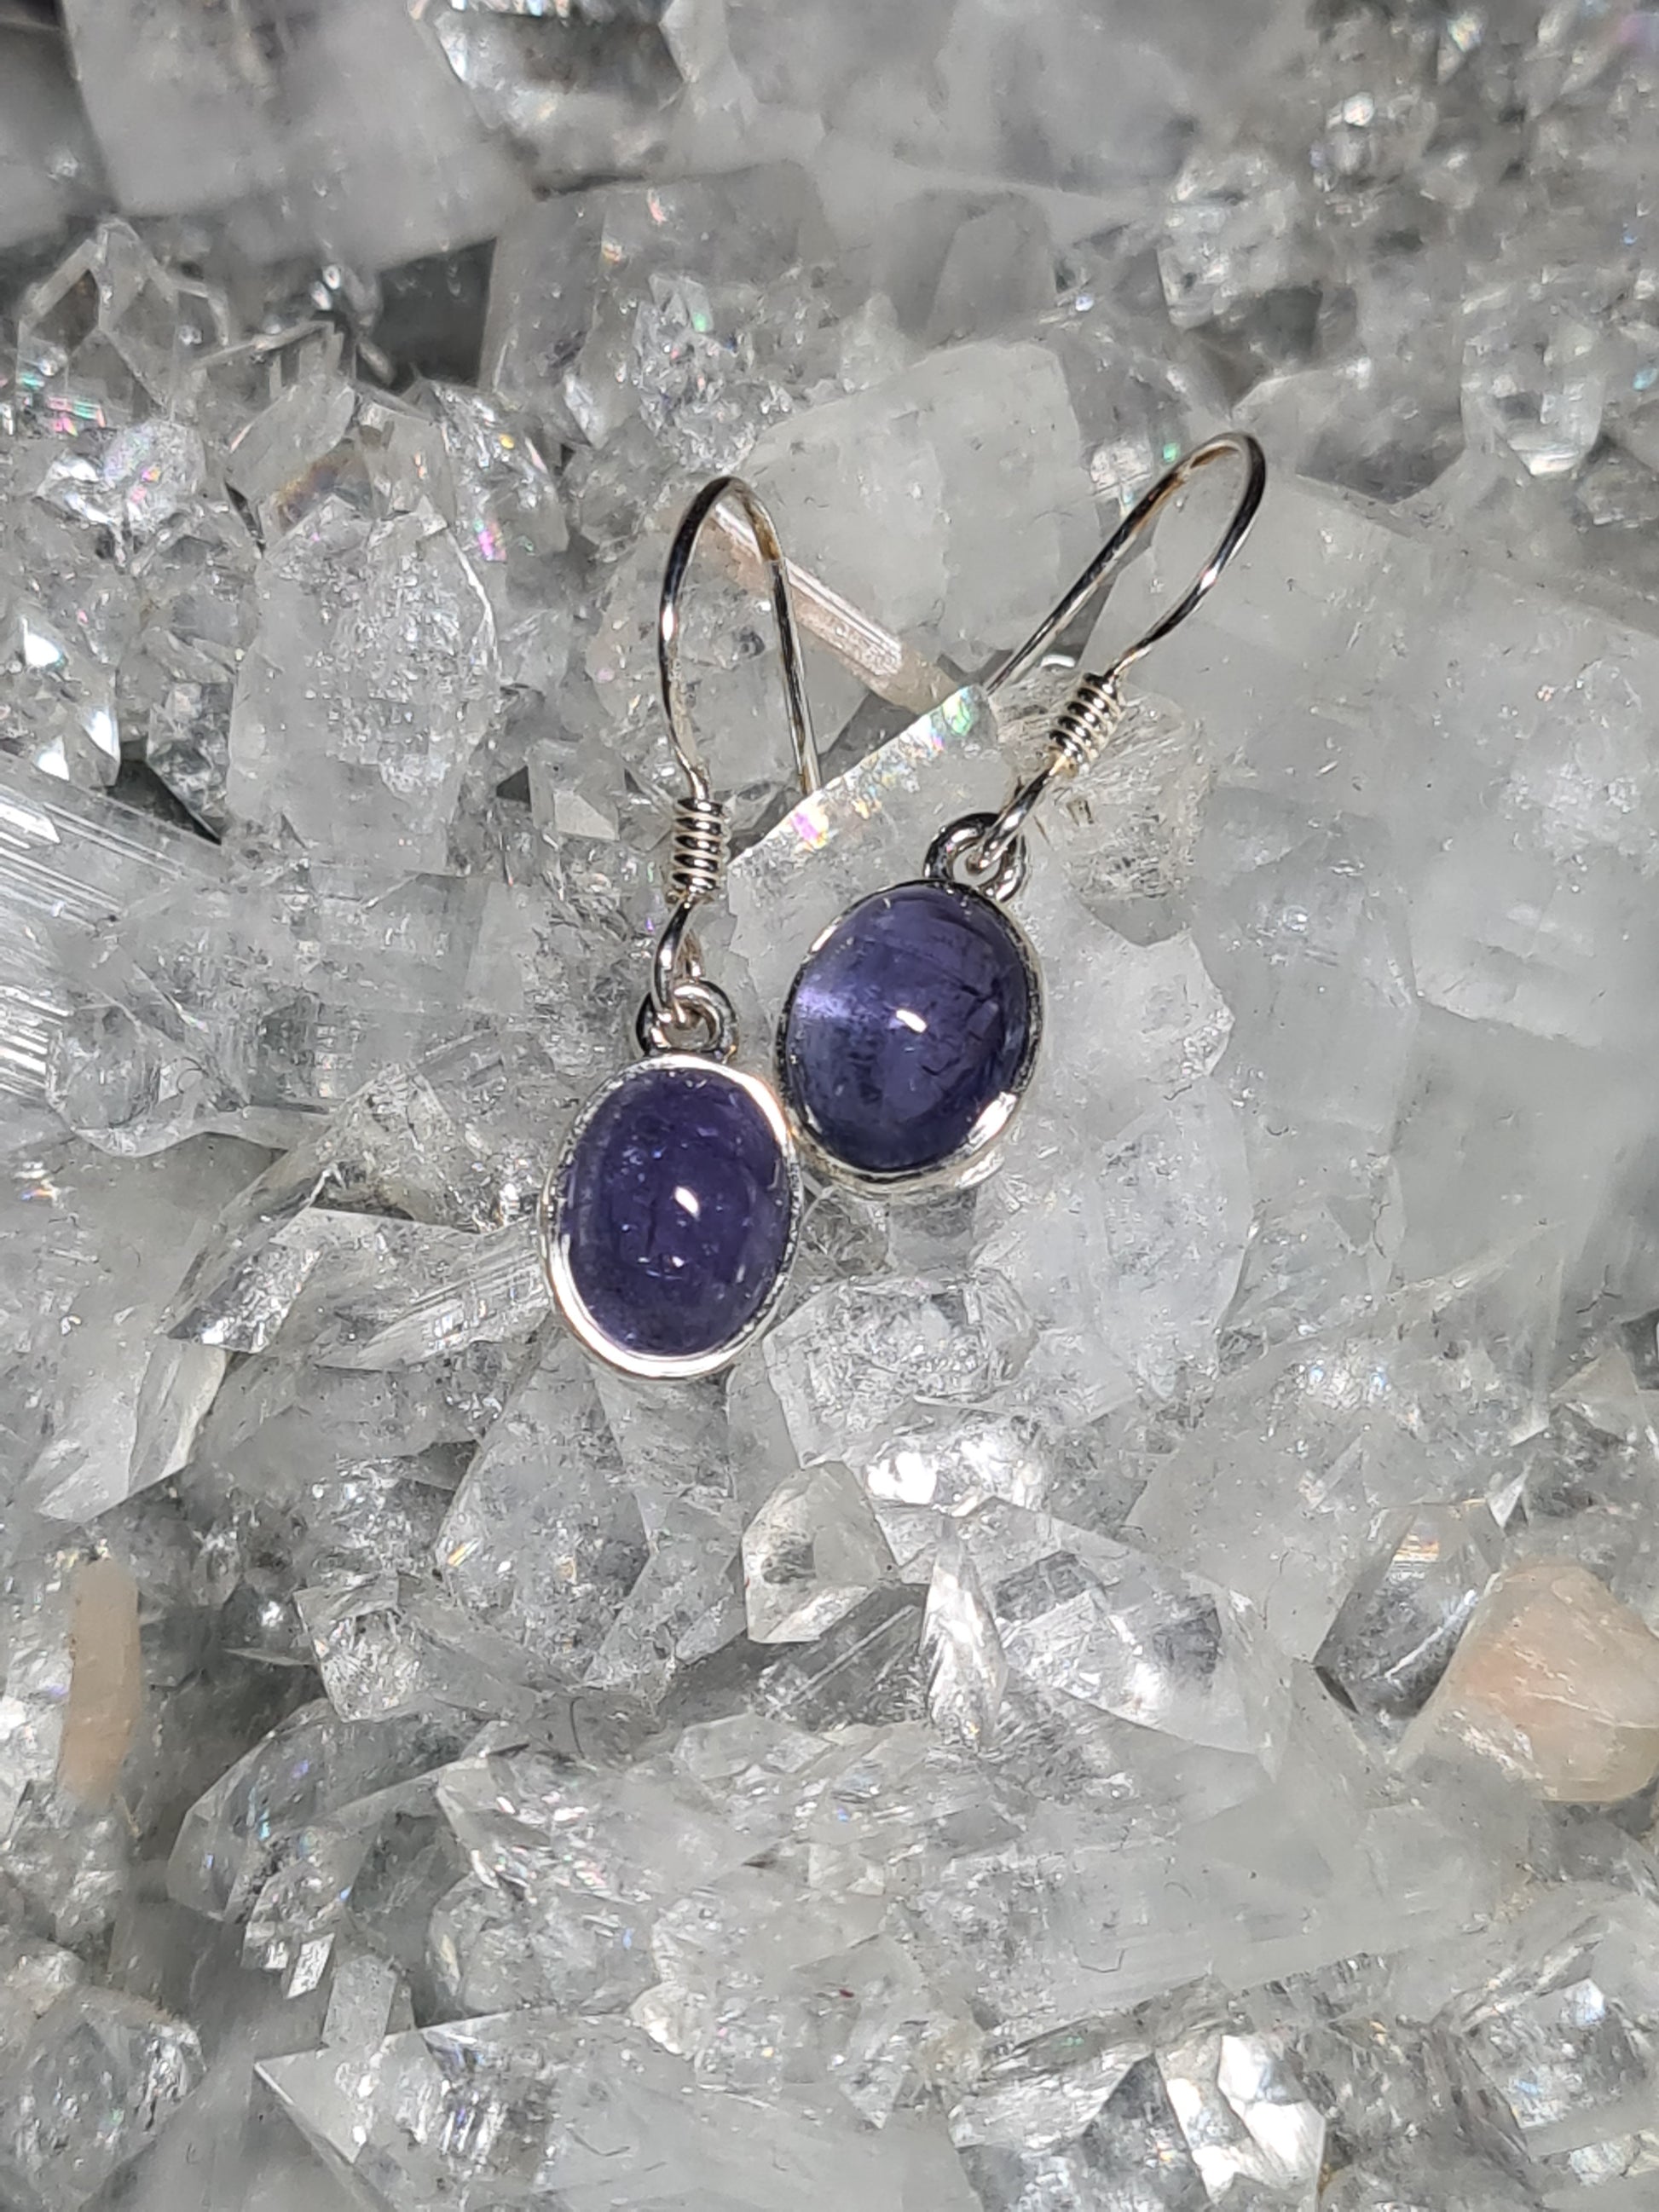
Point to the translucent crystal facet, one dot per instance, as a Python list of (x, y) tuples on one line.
[(1558, 1681), (98, 2076), (510, 2084), (812, 1551)]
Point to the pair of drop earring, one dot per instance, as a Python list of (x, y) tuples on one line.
[(911, 1032)]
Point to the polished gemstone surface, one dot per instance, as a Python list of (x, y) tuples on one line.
[(910, 1024), (676, 1210)]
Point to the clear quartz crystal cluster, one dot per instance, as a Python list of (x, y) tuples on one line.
[(1141, 1692)]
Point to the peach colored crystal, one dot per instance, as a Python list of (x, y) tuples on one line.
[(1557, 1680), (106, 1680)]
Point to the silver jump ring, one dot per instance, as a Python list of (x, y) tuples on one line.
[(699, 1019), (973, 850)]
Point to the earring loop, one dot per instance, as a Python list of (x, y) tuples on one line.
[(674, 705), (683, 1009), (1090, 715), (1130, 539)]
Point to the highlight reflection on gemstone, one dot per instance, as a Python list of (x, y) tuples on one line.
[(911, 1021), (676, 1210)]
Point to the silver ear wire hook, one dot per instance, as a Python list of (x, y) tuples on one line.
[(990, 849), (682, 1004), (680, 554), (1081, 605)]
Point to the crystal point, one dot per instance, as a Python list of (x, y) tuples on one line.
[(810, 1554), (1557, 1682)]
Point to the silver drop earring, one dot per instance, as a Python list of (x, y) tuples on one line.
[(668, 1221), (913, 1026)]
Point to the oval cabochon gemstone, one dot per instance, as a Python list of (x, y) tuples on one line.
[(677, 1211), (909, 1023)]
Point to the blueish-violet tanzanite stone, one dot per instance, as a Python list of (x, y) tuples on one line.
[(909, 1022), (676, 1210)]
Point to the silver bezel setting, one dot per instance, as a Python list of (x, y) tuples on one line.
[(555, 1245), (975, 1158)]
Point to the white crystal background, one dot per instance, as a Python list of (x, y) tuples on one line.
[(1142, 1694)]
